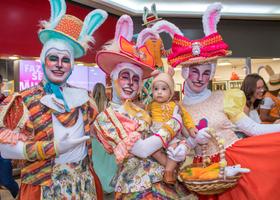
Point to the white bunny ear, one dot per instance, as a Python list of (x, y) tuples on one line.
[(144, 35), (165, 26), (91, 23), (58, 10), (211, 18), (124, 28)]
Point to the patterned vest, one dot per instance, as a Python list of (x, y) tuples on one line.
[(39, 128)]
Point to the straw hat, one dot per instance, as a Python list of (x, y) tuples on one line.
[(274, 79), (71, 29), (149, 18), (122, 50)]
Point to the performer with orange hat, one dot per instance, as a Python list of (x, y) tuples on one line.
[(123, 127), (48, 125), (222, 110)]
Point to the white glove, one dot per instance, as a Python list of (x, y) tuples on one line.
[(66, 143), (202, 137), (9, 151), (176, 115), (178, 154), (236, 169)]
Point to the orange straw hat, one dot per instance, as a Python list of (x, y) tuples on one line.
[(71, 29), (122, 50)]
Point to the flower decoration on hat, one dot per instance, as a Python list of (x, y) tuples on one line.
[(211, 47), (123, 50), (71, 29), (150, 18)]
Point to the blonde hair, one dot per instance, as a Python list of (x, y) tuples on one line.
[(99, 96)]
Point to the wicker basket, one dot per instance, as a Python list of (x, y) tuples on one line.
[(213, 186)]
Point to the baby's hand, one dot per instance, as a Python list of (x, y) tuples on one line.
[(193, 132)]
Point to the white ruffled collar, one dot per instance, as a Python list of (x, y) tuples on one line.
[(74, 97), (192, 98)]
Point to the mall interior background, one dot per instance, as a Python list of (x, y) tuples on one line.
[(254, 43)]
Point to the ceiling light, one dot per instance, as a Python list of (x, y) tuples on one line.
[(226, 63), (13, 57), (275, 59)]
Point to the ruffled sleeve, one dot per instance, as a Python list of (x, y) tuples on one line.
[(13, 117), (234, 103)]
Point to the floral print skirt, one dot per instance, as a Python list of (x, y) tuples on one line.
[(71, 181), (158, 191)]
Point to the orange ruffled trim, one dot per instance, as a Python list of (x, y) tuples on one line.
[(10, 137)]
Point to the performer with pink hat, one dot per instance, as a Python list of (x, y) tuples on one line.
[(48, 125), (222, 110)]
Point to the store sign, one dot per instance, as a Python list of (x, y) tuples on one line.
[(31, 73)]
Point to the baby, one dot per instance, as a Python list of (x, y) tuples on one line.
[(161, 109)]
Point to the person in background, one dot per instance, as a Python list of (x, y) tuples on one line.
[(254, 88), (6, 169), (104, 164), (2, 96), (99, 96), (270, 108)]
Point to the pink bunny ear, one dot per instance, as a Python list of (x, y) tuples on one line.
[(155, 73), (165, 26), (124, 28), (144, 35), (211, 18), (170, 71)]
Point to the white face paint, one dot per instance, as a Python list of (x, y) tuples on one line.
[(129, 83), (199, 77), (57, 65)]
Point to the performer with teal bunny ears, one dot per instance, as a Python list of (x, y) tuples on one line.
[(48, 125)]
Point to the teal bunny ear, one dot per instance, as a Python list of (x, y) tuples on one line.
[(154, 9), (58, 10), (91, 23)]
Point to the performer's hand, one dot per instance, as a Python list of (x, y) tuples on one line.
[(178, 153), (202, 137), (193, 132), (176, 115), (235, 169), (66, 143)]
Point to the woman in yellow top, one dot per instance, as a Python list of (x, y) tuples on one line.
[(161, 110)]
